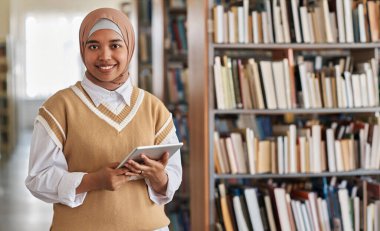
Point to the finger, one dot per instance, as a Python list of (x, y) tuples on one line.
[(113, 165), (135, 167), (165, 158)]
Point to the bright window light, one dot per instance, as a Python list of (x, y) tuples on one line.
[(53, 60)]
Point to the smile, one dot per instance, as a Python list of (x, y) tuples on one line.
[(106, 67)]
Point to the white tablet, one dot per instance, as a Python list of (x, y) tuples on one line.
[(154, 152)]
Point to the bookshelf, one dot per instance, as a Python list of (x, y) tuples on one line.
[(202, 51), (176, 99), (7, 113)]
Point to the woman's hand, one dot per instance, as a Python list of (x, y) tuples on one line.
[(106, 178), (153, 170)]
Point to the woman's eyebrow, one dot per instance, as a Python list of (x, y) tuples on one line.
[(91, 41), (116, 40)]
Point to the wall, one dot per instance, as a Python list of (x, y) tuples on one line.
[(27, 109)]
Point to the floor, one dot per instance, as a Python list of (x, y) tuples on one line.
[(19, 210)]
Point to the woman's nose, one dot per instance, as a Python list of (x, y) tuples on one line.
[(105, 54)]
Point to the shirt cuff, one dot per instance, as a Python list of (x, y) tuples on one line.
[(159, 198), (67, 189)]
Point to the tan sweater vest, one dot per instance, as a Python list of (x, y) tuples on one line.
[(92, 137)]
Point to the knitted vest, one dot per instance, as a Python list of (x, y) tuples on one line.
[(92, 137)]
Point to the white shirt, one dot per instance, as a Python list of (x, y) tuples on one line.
[(48, 177)]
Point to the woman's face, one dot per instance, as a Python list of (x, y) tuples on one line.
[(106, 55)]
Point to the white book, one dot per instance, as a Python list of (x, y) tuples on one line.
[(286, 154), (311, 154), (311, 89), (363, 89), (255, 27), (341, 23), (325, 215), (269, 87), (237, 142), (314, 209), (300, 215), (362, 32), (218, 23), (269, 20), (339, 157), (326, 15), (280, 196), (268, 208), (329, 93), (231, 156), (345, 209), (347, 8), (293, 148), (220, 104), (306, 219), (375, 146), (239, 216), (297, 217), (318, 94), (356, 214), (310, 215), (245, 19), (302, 145), (334, 26), (367, 156), (357, 94), (280, 155), (250, 142), (305, 24), (371, 88), (241, 26), (316, 134), (231, 27), (296, 20), (371, 217), (287, 83), (229, 86), (264, 26), (304, 85), (279, 82), (253, 209), (278, 28), (349, 91), (330, 140), (311, 28), (339, 88), (284, 20)]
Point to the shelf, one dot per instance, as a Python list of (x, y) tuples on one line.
[(296, 46), (297, 111), (297, 175)]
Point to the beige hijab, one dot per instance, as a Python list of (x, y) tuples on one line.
[(125, 26)]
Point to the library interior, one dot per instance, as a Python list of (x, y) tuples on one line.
[(276, 102)]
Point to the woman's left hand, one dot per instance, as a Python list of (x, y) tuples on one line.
[(153, 170)]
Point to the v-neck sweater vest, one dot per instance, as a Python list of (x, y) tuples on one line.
[(92, 137)]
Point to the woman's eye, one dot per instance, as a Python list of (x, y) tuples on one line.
[(114, 46), (93, 47)]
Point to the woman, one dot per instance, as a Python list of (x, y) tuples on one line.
[(82, 132)]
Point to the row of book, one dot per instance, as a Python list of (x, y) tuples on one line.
[(314, 148), (248, 84), (177, 38), (294, 21), (177, 77), (179, 219), (312, 206)]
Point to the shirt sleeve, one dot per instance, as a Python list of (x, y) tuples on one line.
[(48, 177), (173, 170)]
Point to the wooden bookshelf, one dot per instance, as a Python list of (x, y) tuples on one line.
[(202, 110)]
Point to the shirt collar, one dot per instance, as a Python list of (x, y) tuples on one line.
[(100, 95)]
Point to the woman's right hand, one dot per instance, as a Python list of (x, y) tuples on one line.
[(106, 178)]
